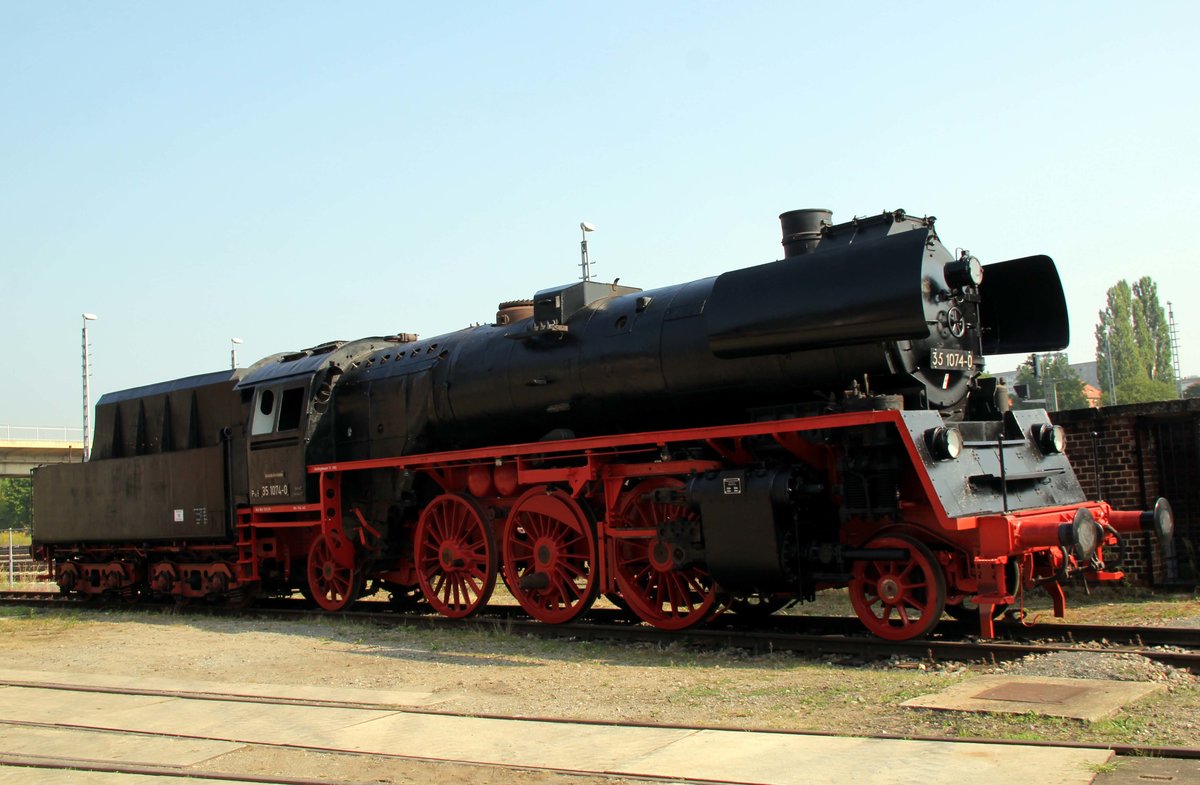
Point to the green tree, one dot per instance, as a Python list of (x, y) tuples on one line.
[(15, 503), (1055, 381), (1133, 345)]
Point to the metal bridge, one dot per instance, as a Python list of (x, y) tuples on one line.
[(23, 447)]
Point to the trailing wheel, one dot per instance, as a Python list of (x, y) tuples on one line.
[(455, 553), (163, 578), (332, 583), (550, 556), (661, 588), (902, 599)]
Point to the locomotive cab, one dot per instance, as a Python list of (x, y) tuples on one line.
[(275, 456), (287, 396)]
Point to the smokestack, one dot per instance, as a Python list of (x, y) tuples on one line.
[(802, 230)]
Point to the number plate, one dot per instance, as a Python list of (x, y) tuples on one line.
[(951, 360)]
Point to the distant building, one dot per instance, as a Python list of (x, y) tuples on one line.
[(1093, 394), (1087, 372)]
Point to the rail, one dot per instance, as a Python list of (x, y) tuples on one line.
[(41, 433), (802, 635)]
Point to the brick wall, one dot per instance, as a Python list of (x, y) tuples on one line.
[(1131, 455)]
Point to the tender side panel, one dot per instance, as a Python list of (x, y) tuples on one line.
[(168, 496)]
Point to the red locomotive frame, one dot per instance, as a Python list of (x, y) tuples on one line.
[(563, 522)]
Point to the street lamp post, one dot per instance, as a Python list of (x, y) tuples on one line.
[(1054, 390), (87, 386), (233, 345), (1112, 382)]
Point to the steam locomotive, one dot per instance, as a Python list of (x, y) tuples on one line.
[(737, 442)]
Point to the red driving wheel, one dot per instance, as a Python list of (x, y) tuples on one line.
[(332, 583), (455, 554), (550, 556), (661, 593), (902, 599)]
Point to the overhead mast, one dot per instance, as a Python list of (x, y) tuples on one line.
[(1173, 332), (584, 228)]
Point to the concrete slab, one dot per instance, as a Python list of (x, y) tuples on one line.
[(761, 758), (66, 707), (1082, 699), (357, 695), (551, 745), (1146, 771), (263, 723), (825, 760), (17, 775), (109, 747)]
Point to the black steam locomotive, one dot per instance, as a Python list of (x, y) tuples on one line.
[(733, 442)]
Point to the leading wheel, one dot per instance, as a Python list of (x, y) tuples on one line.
[(901, 599), (332, 583), (550, 556), (663, 590), (455, 553)]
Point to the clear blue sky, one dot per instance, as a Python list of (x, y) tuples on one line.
[(290, 173)]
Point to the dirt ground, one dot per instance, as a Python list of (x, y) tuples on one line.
[(505, 674)]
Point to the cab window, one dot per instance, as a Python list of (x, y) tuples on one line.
[(290, 408), (264, 413), (277, 410)]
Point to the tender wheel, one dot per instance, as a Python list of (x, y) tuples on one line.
[(455, 553), (68, 577), (163, 579), (550, 556), (899, 600), (331, 584), (661, 592)]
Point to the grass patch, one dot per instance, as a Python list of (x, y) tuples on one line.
[(39, 622), (20, 539)]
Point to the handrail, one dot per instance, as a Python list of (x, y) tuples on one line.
[(41, 433)]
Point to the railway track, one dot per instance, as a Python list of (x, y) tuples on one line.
[(804, 635), (194, 775), (1133, 750)]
